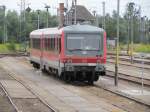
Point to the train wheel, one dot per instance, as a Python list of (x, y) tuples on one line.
[(67, 77), (44, 70), (96, 78), (90, 82), (35, 65), (91, 79)]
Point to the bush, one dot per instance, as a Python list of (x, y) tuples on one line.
[(11, 46)]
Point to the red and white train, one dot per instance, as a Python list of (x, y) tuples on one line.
[(74, 53)]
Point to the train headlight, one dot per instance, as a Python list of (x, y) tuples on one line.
[(99, 67), (68, 65)]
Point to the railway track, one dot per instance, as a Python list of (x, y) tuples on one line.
[(127, 59), (129, 78), (132, 65), (11, 100), (121, 102)]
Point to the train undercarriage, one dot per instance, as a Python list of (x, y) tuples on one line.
[(75, 73)]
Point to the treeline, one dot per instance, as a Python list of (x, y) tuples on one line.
[(11, 28), (131, 21)]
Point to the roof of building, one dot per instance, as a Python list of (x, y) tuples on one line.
[(82, 13)]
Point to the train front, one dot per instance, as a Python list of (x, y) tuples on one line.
[(84, 52)]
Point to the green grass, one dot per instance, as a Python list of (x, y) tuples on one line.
[(4, 48), (145, 48), (142, 48), (9, 48)]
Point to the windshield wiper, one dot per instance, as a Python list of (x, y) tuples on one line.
[(91, 49), (75, 49)]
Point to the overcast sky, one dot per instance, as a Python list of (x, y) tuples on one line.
[(90, 4)]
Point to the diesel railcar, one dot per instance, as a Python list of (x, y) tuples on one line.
[(74, 53)]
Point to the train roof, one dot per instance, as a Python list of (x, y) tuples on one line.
[(82, 29), (46, 31), (68, 29)]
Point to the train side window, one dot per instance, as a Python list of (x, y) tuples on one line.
[(38, 43), (56, 43), (53, 44), (50, 43), (31, 43), (34, 43), (46, 44), (59, 44)]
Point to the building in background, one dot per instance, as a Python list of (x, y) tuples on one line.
[(82, 15)]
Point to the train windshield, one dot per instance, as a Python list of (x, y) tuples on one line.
[(84, 42)]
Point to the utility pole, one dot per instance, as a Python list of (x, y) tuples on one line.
[(146, 29), (117, 45), (20, 20), (24, 23), (75, 12), (141, 25), (67, 15), (47, 10), (128, 37), (4, 8), (97, 21), (38, 12), (132, 30), (104, 25)]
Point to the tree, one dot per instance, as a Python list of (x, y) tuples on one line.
[(12, 25)]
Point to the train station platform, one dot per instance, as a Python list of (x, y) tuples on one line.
[(135, 93)]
